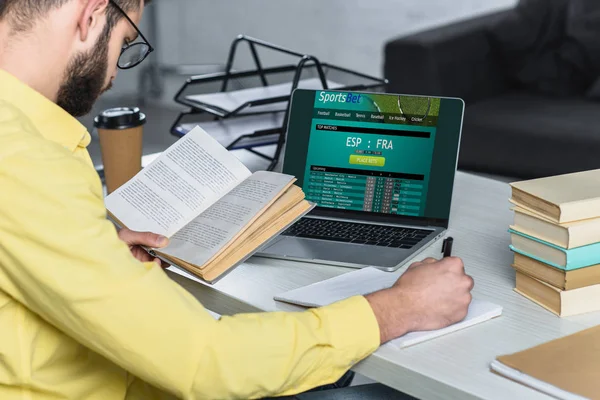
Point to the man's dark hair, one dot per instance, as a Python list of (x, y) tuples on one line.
[(24, 13)]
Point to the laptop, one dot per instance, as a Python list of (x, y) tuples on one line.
[(380, 169)]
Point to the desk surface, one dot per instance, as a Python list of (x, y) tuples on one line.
[(455, 366)]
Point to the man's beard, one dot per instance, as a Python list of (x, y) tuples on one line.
[(84, 79)]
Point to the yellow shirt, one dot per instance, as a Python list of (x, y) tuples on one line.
[(80, 317)]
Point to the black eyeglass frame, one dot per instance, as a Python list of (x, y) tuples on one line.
[(128, 46)]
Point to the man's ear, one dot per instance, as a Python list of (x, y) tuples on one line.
[(93, 14)]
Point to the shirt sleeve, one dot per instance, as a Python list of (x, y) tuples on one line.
[(62, 259)]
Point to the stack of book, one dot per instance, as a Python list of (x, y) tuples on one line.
[(555, 238)]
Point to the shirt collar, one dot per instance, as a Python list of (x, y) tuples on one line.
[(54, 123)]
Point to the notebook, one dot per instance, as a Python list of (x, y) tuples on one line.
[(522, 378), (565, 368), (369, 280)]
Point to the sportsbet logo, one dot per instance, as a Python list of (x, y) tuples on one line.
[(325, 97)]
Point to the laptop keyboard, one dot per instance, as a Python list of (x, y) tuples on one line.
[(356, 233)]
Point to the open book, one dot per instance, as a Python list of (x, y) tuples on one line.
[(215, 212)]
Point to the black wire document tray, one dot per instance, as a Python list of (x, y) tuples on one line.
[(233, 101), (232, 96), (243, 132)]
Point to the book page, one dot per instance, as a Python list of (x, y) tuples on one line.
[(183, 182), (284, 211), (206, 235), (251, 240)]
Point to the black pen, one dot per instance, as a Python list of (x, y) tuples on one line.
[(447, 247)]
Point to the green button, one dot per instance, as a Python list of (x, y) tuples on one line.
[(367, 160)]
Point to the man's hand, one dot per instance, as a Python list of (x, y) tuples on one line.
[(430, 295), (137, 239)]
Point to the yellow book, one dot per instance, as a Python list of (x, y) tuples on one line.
[(563, 303), (215, 212), (568, 235), (561, 279), (562, 198)]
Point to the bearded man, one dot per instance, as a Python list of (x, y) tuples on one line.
[(84, 314)]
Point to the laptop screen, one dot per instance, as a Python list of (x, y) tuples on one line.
[(375, 155)]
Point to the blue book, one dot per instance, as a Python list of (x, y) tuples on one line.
[(553, 255)]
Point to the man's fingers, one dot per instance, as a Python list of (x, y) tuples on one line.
[(414, 265), (471, 283), (455, 265), (141, 254), (429, 260), (161, 263), (148, 239)]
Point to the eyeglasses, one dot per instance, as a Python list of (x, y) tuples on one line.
[(132, 54)]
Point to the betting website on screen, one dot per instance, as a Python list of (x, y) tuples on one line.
[(379, 155), (365, 159)]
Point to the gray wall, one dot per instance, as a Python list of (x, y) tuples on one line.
[(346, 32)]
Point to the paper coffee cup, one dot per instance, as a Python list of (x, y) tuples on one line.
[(121, 133)]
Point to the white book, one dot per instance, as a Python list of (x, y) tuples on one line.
[(368, 280)]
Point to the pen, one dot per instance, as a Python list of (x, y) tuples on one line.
[(447, 247)]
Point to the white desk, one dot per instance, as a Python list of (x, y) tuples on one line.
[(452, 367)]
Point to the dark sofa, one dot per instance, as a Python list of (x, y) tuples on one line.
[(507, 130)]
